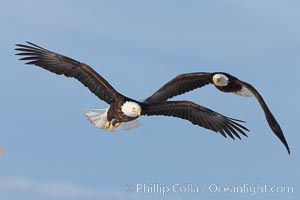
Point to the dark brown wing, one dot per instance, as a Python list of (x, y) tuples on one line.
[(274, 125), (179, 85), (60, 64), (198, 115)]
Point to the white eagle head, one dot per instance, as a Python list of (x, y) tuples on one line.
[(131, 109), (220, 80)]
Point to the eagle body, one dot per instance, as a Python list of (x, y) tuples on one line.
[(113, 116), (115, 111)]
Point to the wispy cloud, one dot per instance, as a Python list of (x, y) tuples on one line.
[(16, 187)]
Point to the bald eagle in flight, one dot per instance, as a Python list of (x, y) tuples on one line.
[(124, 110), (222, 81)]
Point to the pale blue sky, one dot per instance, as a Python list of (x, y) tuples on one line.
[(52, 152)]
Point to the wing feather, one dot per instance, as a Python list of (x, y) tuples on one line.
[(197, 115), (62, 65), (274, 125), (179, 85)]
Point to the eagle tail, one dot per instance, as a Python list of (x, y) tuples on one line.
[(98, 117), (244, 92)]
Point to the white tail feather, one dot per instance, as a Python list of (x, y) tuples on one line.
[(98, 117), (245, 92)]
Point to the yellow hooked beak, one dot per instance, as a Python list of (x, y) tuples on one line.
[(137, 111)]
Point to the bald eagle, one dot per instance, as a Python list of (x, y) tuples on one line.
[(124, 110), (222, 81)]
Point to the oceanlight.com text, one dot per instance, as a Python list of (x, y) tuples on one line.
[(190, 188)]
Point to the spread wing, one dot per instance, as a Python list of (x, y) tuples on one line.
[(179, 85), (69, 67), (197, 115), (274, 125)]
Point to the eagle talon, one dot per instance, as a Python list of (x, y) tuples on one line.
[(107, 125), (116, 124)]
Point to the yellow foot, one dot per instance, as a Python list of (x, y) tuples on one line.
[(107, 125), (116, 124)]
